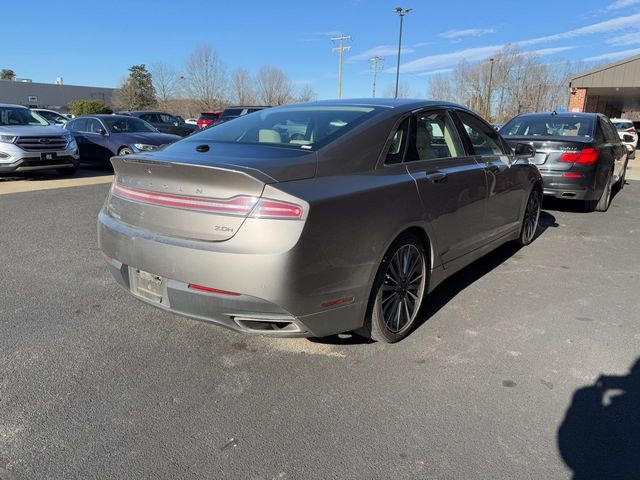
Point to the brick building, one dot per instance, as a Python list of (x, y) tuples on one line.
[(612, 89)]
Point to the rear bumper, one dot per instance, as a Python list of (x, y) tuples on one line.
[(558, 186), (270, 298)]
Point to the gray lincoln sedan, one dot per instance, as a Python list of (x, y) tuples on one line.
[(318, 218)]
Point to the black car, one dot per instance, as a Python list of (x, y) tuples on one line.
[(234, 112), (579, 155), (165, 122)]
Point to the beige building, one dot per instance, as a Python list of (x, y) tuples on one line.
[(612, 89)]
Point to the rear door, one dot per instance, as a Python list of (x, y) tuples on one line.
[(451, 183), (612, 146), (78, 128), (154, 120), (505, 190)]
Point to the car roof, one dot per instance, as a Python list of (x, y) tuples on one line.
[(564, 115), (105, 115), (620, 120), (13, 105)]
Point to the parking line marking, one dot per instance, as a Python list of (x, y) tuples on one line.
[(19, 186)]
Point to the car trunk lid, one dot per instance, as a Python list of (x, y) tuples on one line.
[(207, 202), (549, 149)]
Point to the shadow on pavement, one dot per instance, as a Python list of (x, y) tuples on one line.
[(600, 435), (455, 284), (83, 172)]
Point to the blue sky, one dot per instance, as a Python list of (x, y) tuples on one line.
[(94, 42)]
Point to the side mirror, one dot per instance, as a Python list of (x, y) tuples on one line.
[(627, 138), (176, 123), (101, 131), (524, 151)]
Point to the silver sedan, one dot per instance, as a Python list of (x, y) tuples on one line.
[(317, 218)]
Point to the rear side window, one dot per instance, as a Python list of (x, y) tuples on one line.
[(609, 130), (232, 112), (484, 138), (433, 137), (208, 116), (398, 143), (79, 125)]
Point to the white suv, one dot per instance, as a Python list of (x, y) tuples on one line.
[(28, 142), (625, 127)]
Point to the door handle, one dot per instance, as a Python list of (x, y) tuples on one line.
[(436, 177)]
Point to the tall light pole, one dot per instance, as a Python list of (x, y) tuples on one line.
[(488, 110), (402, 12), (376, 66), (340, 48)]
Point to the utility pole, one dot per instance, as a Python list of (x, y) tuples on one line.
[(341, 48), (376, 65), (488, 115), (402, 12)]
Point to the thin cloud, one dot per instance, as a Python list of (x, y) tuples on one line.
[(627, 39), (607, 26), (614, 55), (552, 50), (475, 54), (436, 72), (379, 51), (444, 60), (622, 4), (470, 32)]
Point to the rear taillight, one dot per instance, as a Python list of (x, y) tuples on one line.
[(588, 156), (275, 209), (240, 206)]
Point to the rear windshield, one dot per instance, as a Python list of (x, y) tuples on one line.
[(623, 125), (299, 127), (209, 116), (10, 116), (549, 126)]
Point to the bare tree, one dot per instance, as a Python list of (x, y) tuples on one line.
[(273, 87), (205, 78), (306, 94), (241, 87), (165, 82), (520, 83), (404, 90)]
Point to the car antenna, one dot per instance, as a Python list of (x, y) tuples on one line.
[(554, 113)]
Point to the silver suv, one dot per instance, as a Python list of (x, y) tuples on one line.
[(28, 142)]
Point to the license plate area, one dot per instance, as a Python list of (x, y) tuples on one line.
[(48, 156), (148, 286)]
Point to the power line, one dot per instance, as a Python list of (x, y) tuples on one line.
[(341, 48), (377, 64)]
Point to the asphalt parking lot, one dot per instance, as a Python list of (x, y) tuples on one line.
[(94, 384)]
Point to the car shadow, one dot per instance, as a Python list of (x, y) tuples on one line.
[(599, 437), (453, 285)]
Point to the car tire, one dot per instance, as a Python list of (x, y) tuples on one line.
[(602, 205), (398, 291), (530, 218), (125, 151), (67, 172)]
